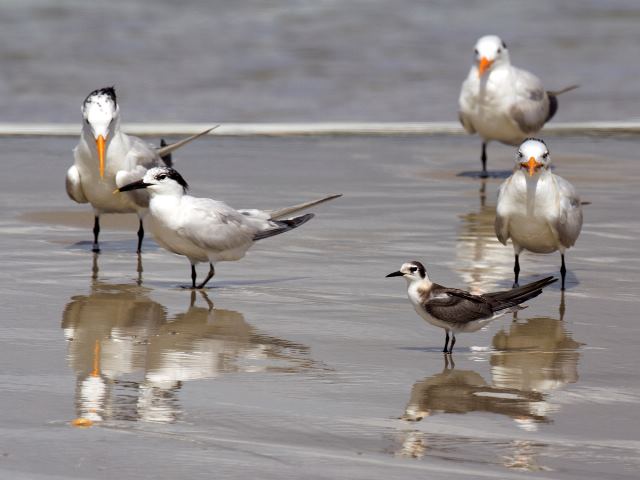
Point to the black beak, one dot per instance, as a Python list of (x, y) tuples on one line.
[(134, 186), (395, 274)]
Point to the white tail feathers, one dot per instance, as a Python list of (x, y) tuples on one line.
[(284, 212)]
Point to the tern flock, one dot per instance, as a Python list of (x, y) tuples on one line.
[(539, 211)]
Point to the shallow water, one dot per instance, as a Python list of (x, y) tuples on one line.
[(303, 357)]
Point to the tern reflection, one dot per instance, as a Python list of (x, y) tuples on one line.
[(130, 358), (481, 259), (530, 360)]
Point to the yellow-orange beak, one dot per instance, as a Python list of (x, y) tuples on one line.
[(100, 146), (484, 65), (532, 165)]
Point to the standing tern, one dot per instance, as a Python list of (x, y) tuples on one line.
[(540, 211), (206, 230), (107, 158), (458, 310), (501, 102)]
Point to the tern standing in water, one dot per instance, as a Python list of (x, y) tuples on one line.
[(206, 230), (540, 211), (457, 310), (501, 102), (106, 158)]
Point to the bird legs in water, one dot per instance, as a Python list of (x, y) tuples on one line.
[(446, 342), (516, 271), (140, 237), (96, 232), (484, 173), (210, 275), (563, 271)]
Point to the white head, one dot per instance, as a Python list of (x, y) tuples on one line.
[(412, 271), (160, 181), (490, 52), (533, 157), (100, 113)]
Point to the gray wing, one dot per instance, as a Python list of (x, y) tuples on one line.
[(569, 222), (501, 224), (457, 306), (142, 154), (530, 108), (466, 122), (74, 186), (214, 225)]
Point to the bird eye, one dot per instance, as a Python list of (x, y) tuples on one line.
[(413, 269), (476, 51), (499, 50), (546, 155), (161, 176), (520, 155)]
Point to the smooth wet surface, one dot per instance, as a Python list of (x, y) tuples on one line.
[(302, 359)]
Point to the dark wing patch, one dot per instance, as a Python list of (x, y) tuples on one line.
[(457, 306)]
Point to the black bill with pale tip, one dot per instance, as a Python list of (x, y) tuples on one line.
[(395, 274), (134, 186)]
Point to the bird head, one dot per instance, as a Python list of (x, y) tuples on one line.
[(159, 180), (533, 157), (412, 271), (100, 111), (489, 52)]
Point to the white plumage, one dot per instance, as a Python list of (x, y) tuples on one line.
[(206, 230), (501, 102), (538, 210)]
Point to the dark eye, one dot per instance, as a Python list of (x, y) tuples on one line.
[(499, 50), (413, 269), (162, 176), (546, 155), (476, 51), (520, 155)]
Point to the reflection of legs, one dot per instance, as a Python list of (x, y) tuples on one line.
[(140, 237), (516, 271), (95, 269), (204, 295), (562, 307), (139, 270), (449, 364), (563, 270), (96, 232), (484, 160), (446, 342), (212, 272)]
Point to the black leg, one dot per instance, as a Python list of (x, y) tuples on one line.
[(446, 342), (140, 236), (96, 232), (563, 270), (453, 342), (212, 271), (484, 160), (193, 276), (516, 271)]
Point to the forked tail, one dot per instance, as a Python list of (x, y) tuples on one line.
[(516, 296), (165, 150), (284, 226), (284, 212)]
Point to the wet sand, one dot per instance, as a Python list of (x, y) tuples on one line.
[(302, 359)]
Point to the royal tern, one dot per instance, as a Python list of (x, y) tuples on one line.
[(501, 102), (206, 230), (107, 158), (540, 211), (457, 310)]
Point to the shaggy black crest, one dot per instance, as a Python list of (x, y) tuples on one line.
[(174, 175), (420, 267), (504, 45), (108, 91)]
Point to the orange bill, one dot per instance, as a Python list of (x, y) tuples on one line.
[(483, 66), (100, 145), (532, 164)]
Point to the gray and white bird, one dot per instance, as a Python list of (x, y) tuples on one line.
[(206, 230), (458, 311), (539, 211), (107, 158), (501, 102)]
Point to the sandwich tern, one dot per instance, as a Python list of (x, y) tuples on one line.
[(459, 311), (107, 158), (540, 211), (502, 102), (206, 230)]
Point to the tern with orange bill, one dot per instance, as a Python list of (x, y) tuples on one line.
[(539, 211), (501, 102), (107, 158)]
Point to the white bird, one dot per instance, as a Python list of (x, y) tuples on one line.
[(501, 102), (206, 230), (107, 158), (457, 310), (538, 210)]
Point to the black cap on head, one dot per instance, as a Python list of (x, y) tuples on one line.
[(108, 91), (173, 175), (420, 267)]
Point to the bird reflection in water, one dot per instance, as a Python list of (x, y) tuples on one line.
[(481, 259), (531, 359), (131, 359)]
